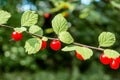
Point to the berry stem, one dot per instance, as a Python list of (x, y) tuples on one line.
[(50, 38)]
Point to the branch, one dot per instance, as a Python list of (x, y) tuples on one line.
[(50, 38), (83, 45), (7, 26)]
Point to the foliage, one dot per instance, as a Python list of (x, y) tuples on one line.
[(86, 22)]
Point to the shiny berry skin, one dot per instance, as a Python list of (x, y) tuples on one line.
[(79, 56), (55, 45), (114, 64), (104, 59), (16, 36), (47, 15), (44, 45), (118, 59)]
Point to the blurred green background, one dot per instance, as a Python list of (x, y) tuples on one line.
[(87, 19)]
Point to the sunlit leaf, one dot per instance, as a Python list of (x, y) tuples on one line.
[(59, 24), (44, 38), (36, 30), (29, 18), (69, 48), (65, 37), (86, 53), (106, 39), (20, 30), (111, 53), (33, 45), (4, 16)]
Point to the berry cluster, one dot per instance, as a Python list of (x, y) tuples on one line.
[(54, 45), (114, 63)]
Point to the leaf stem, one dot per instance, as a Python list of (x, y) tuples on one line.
[(50, 38)]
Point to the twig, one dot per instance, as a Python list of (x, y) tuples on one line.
[(83, 45), (7, 26), (50, 38)]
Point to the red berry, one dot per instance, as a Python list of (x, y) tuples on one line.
[(46, 15), (118, 59), (114, 64), (55, 45), (16, 36), (44, 45), (79, 56), (104, 59)]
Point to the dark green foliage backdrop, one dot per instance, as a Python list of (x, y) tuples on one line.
[(87, 22)]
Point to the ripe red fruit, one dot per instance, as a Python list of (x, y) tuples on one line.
[(47, 15), (44, 45), (16, 36), (79, 56), (118, 59), (55, 45), (104, 59), (114, 64)]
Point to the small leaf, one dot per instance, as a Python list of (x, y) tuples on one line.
[(49, 30), (33, 45), (65, 37), (106, 39), (20, 30), (4, 16), (86, 53), (44, 38), (69, 48), (36, 30), (59, 24), (111, 53), (29, 18)]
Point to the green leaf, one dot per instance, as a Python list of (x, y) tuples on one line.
[(49, 30), (106, 39), (65, 37), (44, 38), (115, 4), (20, 30), (59, 24), (36, 30), (86, 53), (69, 48), (33, 45), (111, 53), (4, 16), (29, 18)]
